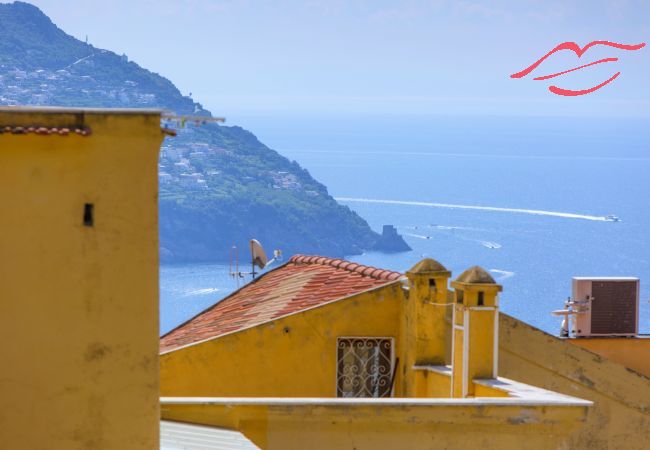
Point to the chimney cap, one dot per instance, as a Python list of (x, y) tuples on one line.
[(428, 266), (475, 275)]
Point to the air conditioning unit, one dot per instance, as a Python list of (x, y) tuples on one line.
[(606, 306)]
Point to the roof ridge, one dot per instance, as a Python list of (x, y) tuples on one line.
[(338, 263)]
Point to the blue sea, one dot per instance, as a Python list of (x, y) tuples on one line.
[(522, 197)]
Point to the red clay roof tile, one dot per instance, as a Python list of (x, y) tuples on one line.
[(301, 283), (63, 131)]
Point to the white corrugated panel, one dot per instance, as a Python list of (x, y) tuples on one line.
[(182, 436)]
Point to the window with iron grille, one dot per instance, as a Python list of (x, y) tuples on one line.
[(364, 367)]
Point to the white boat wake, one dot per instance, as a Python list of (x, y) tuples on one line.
[(534, 212), (452, 227), (201, 292), (489, 244), (503, 274), (486, 244), (419, 236)]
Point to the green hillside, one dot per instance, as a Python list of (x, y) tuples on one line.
[(219, 185)]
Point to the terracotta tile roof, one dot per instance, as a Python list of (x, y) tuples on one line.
[(45, 131), (303, 282)]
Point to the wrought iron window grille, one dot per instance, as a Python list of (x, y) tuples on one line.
[(364, 367)]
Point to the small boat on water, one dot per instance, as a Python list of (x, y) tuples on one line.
[(612, 218)]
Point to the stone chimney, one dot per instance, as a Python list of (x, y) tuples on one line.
[(475, 330), (426, 309)]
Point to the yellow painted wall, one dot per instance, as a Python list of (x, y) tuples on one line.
[(373, 425), (79, 305), (474, 335), (487, 391), (481, 340), (432, 384), (427, 306), (294, 356), (620, 416), (457, 354), (630, 352)]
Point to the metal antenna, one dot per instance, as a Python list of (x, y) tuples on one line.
[(258, 259), (234, 254)]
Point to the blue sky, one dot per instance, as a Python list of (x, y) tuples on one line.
[(333, 57)]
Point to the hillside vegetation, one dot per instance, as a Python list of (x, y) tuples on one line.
[(219, 185)]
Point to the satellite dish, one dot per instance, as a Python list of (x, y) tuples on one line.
[(257, 254)]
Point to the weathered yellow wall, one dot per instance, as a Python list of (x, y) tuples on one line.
[(432, 384), (398, 425), (620, 416), (79, 305), (423, 325), (474, 335), (430, 309), (457, 353), (480, 358), (487, 391), (631, 352), (293, 356)]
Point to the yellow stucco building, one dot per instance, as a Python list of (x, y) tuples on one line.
[(79, 278), (286, 359)]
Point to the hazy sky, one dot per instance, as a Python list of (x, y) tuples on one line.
[(242, 57)]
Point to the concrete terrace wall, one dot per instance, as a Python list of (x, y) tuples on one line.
[(386, 424)]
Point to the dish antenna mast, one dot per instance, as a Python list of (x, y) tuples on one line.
[(258, 259), (171, 122)]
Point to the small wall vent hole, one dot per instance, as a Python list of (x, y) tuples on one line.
[(89, 214)]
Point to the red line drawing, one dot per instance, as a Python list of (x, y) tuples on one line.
[(579, 51), (570, 93), (546, 77)]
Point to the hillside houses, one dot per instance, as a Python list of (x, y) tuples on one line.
[(285, 180), (190, 166), (38, 87)]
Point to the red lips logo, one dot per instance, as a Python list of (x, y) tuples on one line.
[(579, 52)]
